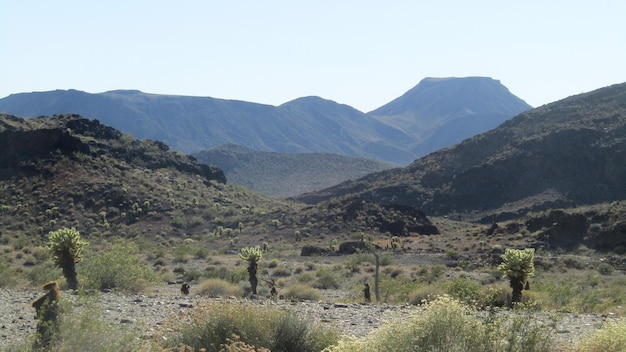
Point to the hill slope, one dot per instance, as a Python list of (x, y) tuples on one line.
[(567, 153), (397, 133), (286, 174), (68, 171)]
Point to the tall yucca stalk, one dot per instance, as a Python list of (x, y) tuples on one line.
[(252, 255), (518, 266), (65, 247)]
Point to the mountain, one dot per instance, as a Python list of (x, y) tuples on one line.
[(435, 114), (192, 124), (286, 174), (440, 112), (565, 154)]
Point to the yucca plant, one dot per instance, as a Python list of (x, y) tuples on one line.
[(252, 255), (65, 247), (518, 266)]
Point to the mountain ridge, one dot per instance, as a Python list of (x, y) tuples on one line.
[(193, 124)]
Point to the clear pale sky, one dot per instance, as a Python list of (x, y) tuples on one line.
[(360, 53)]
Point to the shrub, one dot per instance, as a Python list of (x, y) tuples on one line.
[(466, 291), (448, 325), (213, 325), (232, 275), (40, 254), (605, 269), (7, 274), (219, 288), (326, 278), (425, 293), (119, 267), (281, 272), (444, 326), (301, 292), (42, 273), (610, 338)]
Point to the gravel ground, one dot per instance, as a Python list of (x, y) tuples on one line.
[(147, 313)]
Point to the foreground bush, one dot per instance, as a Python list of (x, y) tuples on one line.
[(610, 338), (448, 325), (213, 326)]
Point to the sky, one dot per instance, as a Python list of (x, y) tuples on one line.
[(360, 53)]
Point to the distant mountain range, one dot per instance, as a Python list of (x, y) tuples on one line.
[(562, 155), (436, 113), (286, 174)]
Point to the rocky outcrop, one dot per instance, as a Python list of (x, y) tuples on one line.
[(310, 251)]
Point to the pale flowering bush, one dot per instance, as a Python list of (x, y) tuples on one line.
[(610, 338), (449, 325)]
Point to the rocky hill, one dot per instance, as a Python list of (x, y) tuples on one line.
[(286, 174), (398, 133), (68, 171)]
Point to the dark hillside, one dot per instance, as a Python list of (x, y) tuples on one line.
[(68, 171), (571, 152)]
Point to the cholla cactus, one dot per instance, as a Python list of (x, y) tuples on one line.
[(518, 266), (65, 247), (252, 255)]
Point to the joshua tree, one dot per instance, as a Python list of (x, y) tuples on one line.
[(518, 266), (252, 255), (65, 247)]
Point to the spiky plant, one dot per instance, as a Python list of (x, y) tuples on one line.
[(65, 247), (252, 255), (518, 266)]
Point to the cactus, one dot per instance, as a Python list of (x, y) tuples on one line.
[(253, 256), (65, 247), (518, 266)]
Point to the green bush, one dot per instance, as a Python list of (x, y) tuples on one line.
[(444, 326), (326, 278), (7, 274), (448, 325), (214, 325), (224, 273), (42, 273), (302, 292), (219, 288), (424, 293), (610, 338), (119, 267), (605, 269), (466, 291)]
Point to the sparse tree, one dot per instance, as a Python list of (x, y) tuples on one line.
[(518, 266), (65, 247), (253, 256)]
